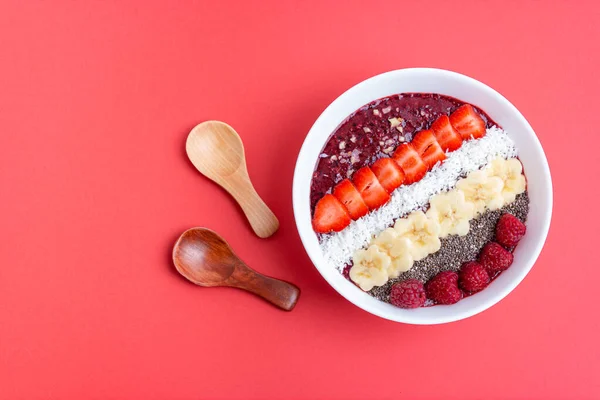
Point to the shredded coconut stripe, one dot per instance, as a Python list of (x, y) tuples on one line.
[(338, 247)]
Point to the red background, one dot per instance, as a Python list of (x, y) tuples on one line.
[(96, 99)]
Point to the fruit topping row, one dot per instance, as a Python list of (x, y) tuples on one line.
[(370, 187), (418, 235), (338, 247), (448, 287)]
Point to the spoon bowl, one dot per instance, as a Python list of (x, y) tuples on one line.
[(217, 151), (204, 258)]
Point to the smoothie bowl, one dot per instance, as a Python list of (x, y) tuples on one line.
[(422, 196)]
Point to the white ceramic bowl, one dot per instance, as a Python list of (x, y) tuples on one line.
[(428, 80)]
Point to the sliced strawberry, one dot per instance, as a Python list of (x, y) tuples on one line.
[(467, 122), (388, 173), (433, 154), (370, 189), (445, 134), (423, 140), (428, 148), (347, 194), (330, 215), (412, 164)]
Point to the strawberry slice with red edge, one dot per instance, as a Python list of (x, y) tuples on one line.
[(445, 134), (330, 215), (388, 173), (467, 122), (412, 164), (347, 194), (428, 148), (370, 189)]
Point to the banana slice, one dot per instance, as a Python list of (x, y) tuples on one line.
[(370, 268), (402, 259), (422, 232), (386, 240), (451, 212), (399, 250), (511, 173), (482, 191)]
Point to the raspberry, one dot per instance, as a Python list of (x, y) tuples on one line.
[(408, 294), (495, 258), (473, 277), (443, 288), (509, 230)]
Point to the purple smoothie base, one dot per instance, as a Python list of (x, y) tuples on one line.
[(365, 136)]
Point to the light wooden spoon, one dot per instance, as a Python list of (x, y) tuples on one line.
[(216, 150)]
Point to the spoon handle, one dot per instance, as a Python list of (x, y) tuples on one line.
[(282, 294), (264, 223)]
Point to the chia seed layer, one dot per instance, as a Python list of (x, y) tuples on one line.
[(456, 250)]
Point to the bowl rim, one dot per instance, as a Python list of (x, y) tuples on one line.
[(301, 168)]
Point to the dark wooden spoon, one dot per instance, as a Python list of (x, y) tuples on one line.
[(205, 258)]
